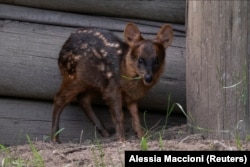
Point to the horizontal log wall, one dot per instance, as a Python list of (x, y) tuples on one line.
[(76, 20), (158, 10), (20, 117), (29, 52), (30, 40)]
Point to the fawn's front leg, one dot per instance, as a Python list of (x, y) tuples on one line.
[(114, 99), (117, 117), (133, 109)]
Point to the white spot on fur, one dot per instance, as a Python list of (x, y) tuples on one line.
[(119, 51), (104, 52), (71, 76), (109, 74), (96, 54), (78, 57), (117, 45)]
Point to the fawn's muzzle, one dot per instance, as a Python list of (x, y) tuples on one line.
[(148, 78)]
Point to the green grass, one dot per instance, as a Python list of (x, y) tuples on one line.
[(171, 107), (144, 144), (10, 160), (150, 135), (238, 143), (48, 137), (191, 123), (99, 156), (161, 145), (37, 159)]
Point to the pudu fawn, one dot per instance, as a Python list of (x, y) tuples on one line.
[(94, 62)]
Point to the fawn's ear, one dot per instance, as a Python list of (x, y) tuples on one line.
[(165, 35), (132, 34)]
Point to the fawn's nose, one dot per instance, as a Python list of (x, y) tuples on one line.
[(148, 78)]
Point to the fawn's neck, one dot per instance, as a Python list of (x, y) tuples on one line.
[(128, 70)]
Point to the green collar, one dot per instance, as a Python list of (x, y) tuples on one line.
[(131, 78)]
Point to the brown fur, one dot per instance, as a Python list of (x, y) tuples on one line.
[(94, 62)]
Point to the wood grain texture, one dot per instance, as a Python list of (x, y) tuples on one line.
[(42, 16), (248, 76), (217, 68), (28, 57), (158, 10), (19, 117)]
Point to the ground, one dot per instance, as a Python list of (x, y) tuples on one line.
[(108, 152)]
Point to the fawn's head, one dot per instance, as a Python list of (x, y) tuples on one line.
[(147, 56)]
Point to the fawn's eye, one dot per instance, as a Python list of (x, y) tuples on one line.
[(140, 60)]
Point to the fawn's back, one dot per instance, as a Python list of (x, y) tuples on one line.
[(91, 57)]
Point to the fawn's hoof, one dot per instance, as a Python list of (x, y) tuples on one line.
[(121, 139), (140, 134), (105, 133), (56, 140)]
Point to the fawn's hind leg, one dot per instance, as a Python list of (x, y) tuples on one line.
[(85, 102), (64, 96)]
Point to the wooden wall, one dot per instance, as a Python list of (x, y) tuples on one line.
[(29, 54), (157, 10), (21, 117), (30, 40), (218, 68)]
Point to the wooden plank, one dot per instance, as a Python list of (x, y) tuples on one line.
[(28, 58), (216, 68), (19, 117), (160, 10), (193, 67), (248, 77), (33, 15)]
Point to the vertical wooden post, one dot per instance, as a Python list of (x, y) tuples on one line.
[(218, 68), (248, 79)]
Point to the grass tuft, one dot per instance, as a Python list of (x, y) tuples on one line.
[(38, 160), (144, 144)]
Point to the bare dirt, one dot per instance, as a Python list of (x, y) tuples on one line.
[(108, 152)]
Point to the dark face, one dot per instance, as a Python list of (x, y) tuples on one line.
[(148, 58)]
